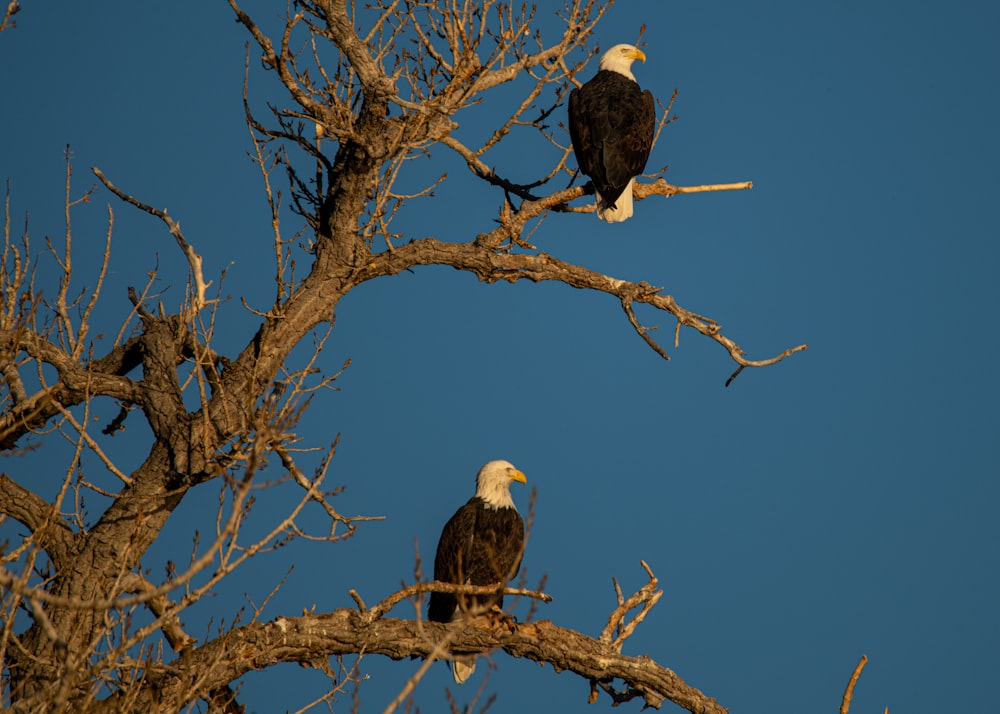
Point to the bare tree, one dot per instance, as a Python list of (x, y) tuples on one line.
[(369, 90)]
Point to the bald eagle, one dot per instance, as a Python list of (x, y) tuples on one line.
[(480, 545), (611, 123)]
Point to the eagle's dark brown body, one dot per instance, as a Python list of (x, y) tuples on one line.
[(479, 546)]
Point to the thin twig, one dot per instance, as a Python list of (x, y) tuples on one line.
[(845, 704), (12, 9), (437, 586)]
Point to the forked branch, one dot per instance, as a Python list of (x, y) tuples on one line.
[(617, 630)]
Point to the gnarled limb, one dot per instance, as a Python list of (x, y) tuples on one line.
[(317, 637), (492, 266), (49, 529)]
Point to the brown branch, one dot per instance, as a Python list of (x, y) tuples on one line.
[(643, 332), (104, 376), (661, 188), (438, 586), (272, 59), (71, 374), (490, 265), (647, 596), (341, 29), (313, 638), (159, 605), (194, 260), (341, 632), (39, 516), (845, 704), (8, 19)]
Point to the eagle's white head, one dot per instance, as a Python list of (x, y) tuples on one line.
[(493, 483), (620, 58)]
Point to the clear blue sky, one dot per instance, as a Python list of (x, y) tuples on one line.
[(843, 502)]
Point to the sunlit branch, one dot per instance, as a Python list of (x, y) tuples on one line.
[(437, 586), (193, 259), (8, 18)]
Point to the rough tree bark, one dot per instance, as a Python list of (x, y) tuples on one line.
[(402, 73)]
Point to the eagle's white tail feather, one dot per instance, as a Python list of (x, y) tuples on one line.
[(462, 668), (622, 209)]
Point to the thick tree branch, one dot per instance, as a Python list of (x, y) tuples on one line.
[(72, 374), (102, 377), (310, 638), (341, 32), (492, 266), (39, 516)]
